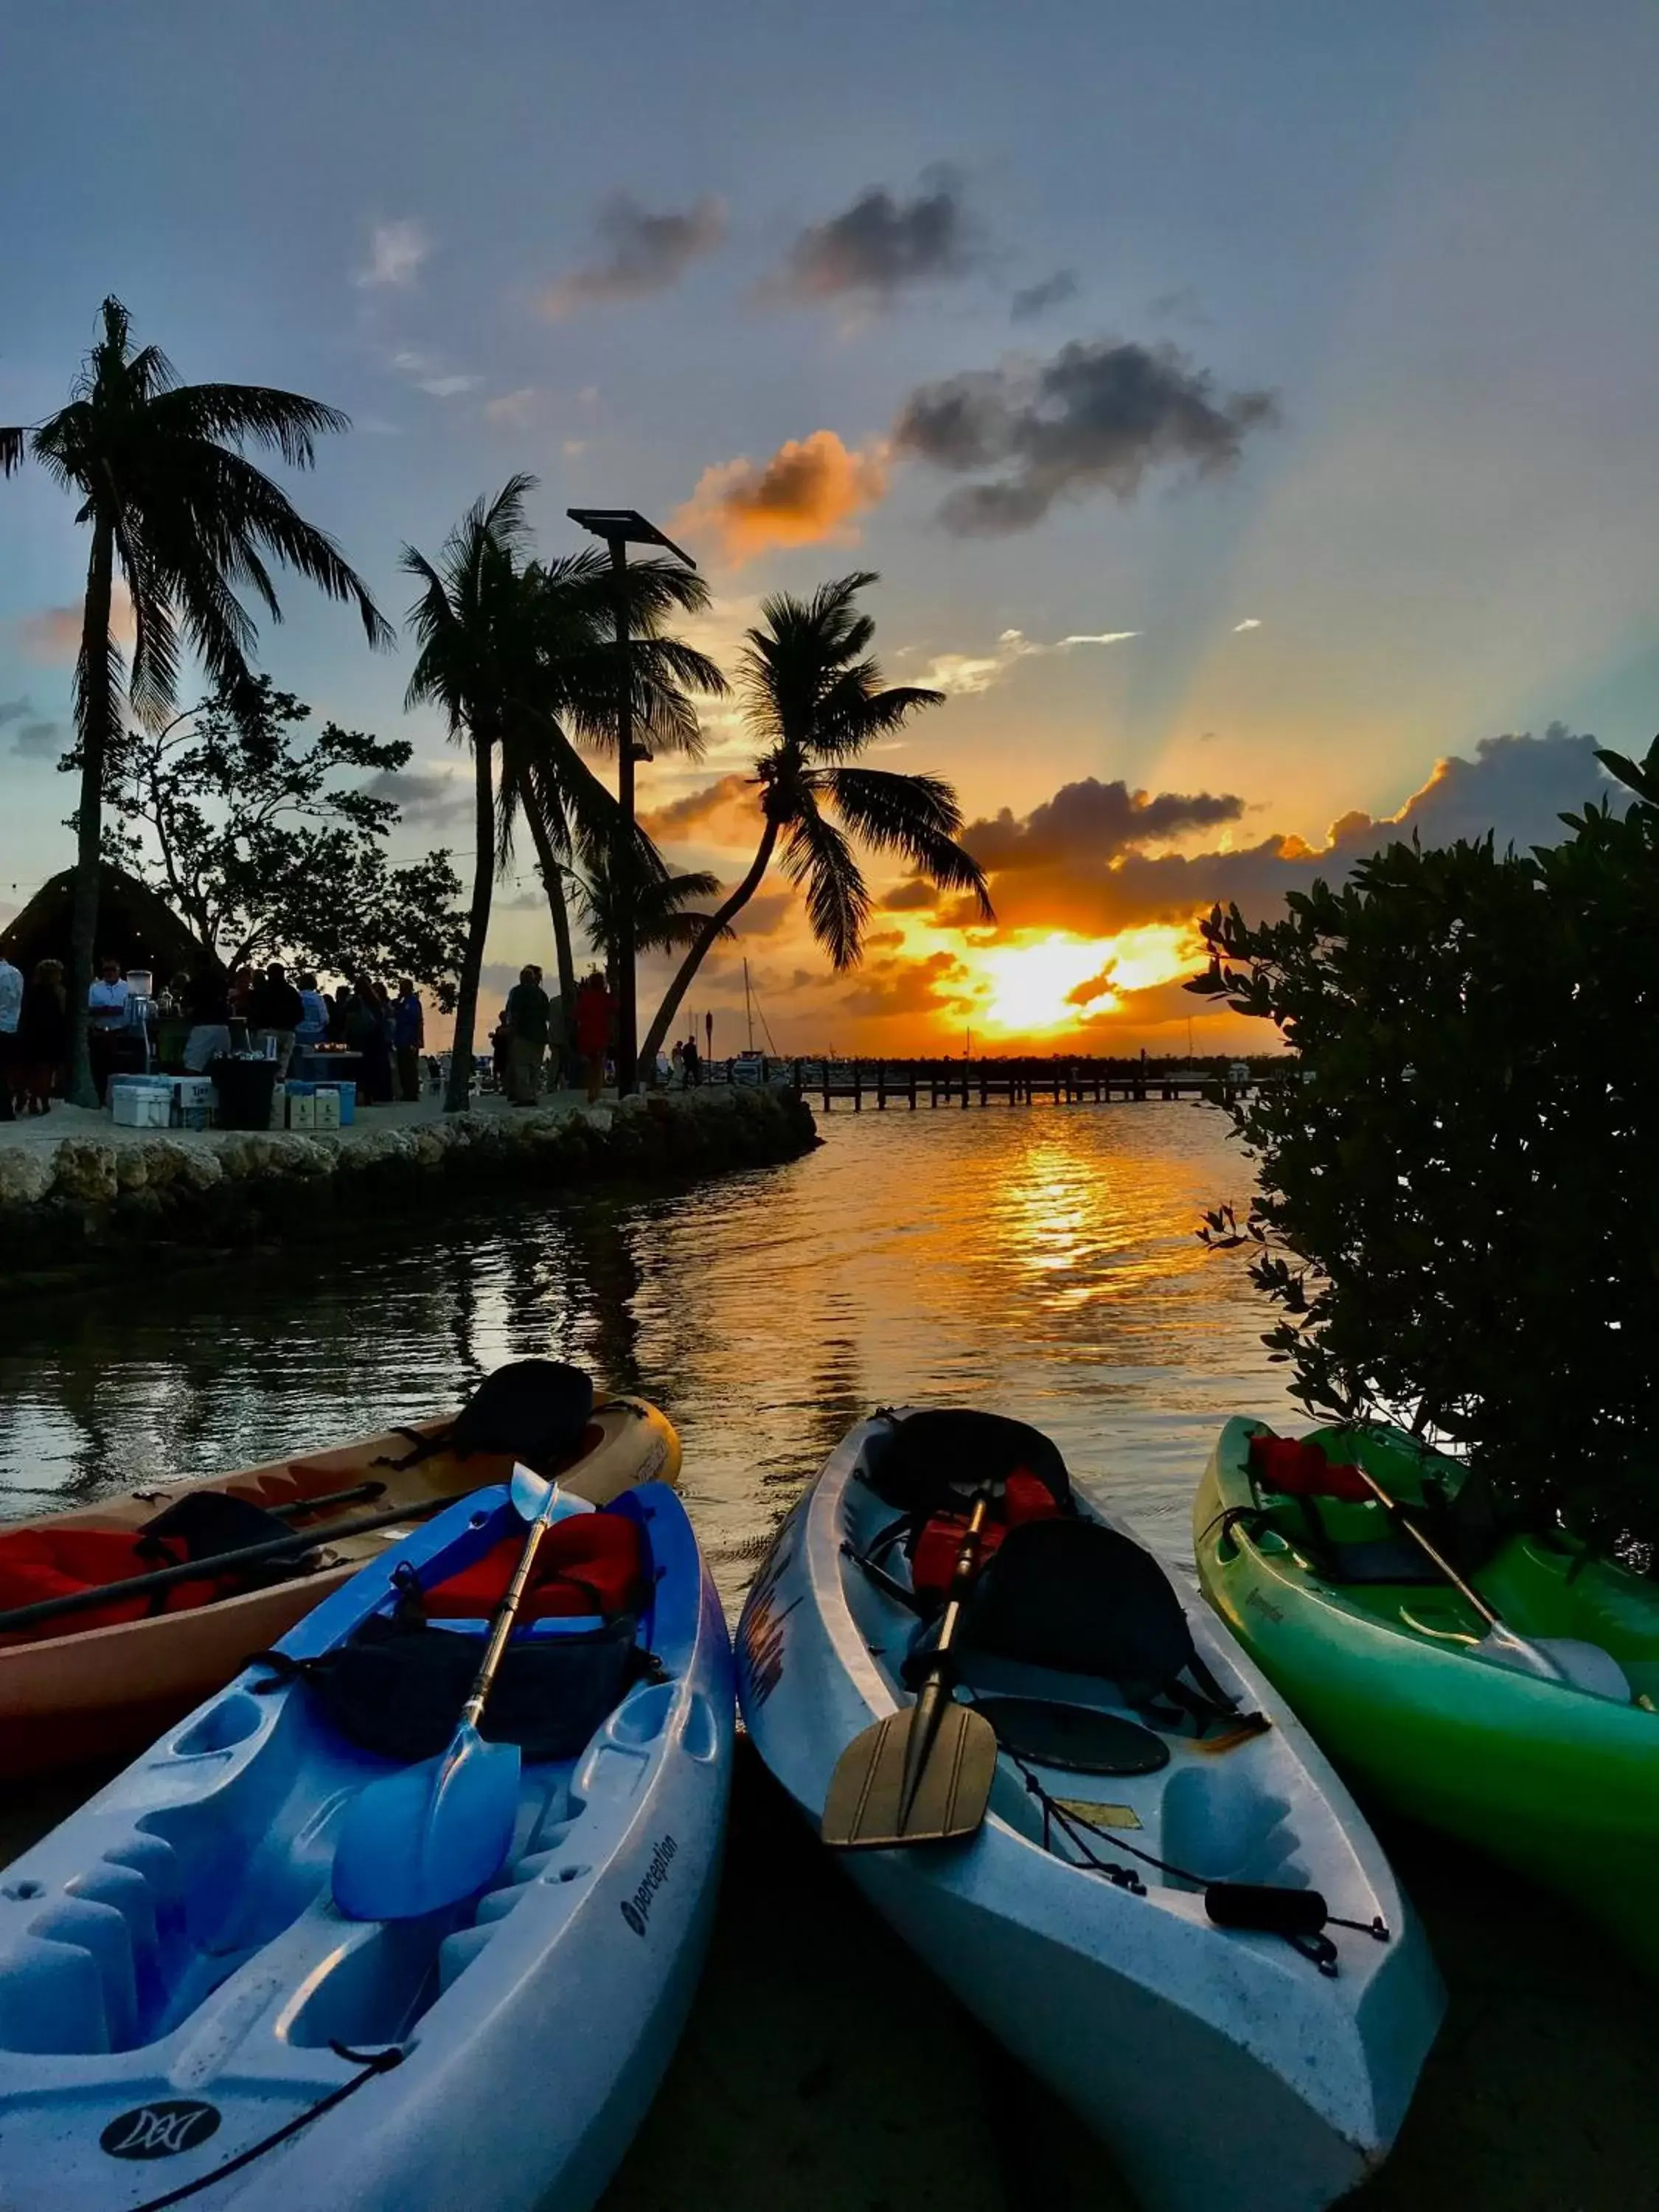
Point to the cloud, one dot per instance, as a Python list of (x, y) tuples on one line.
[(447, 387), (426, 373), (893, 986), (435, 795), (1037, 299), (514, 410), (37, 741), (1066, 865), (14, 710), (915, 896), (729, 803), (1094, 417), (765, 915), (962, 674), (810, 490), (880, 244), (1250, 622), (396, 251), (1094, 822), (1183, 305), (641, 252), (51, 635)]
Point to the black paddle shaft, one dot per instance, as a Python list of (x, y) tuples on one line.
[(294, 1545)]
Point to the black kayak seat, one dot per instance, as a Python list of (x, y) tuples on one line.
[(533, 1410), (1078, 1597), (933, 1459)]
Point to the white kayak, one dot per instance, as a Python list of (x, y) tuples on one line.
[(1223, 2066), (186, 2015)]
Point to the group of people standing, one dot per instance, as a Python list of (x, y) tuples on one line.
[(536, 1038), (278, 1016), (34, 1036)]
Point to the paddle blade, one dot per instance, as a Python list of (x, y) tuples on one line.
[(862, 1811), (415, 1842), (529, 1493)]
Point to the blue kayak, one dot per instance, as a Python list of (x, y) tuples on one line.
[(185, 2008)]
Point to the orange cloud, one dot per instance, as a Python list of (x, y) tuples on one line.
[(728, 807), (53, 635), (808, 493)]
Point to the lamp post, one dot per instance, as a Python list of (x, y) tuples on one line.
[(621, 527)]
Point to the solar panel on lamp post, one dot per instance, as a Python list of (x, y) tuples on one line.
[(621, 527)]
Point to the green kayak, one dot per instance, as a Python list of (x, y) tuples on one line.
[(1397, 1676)]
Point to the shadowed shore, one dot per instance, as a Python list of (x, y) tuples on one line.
[(826, 2070)]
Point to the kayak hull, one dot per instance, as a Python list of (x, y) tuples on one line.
[(105, 1692), (1222, 2069), (1559, 1784), (532, 2024)]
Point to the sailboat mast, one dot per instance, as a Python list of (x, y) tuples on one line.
[(748, 1006)]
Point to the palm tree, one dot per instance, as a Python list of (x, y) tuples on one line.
[(817, 702), (661, 920), (471, 623), (543, 777), (159, 468)]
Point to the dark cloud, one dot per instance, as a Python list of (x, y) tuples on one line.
[(765, 914), (1094, 417), (1037, 299), (1183, 305), (1515, 786), (37, 741), (728, 805), (915, 896), (909, 987), (1094, 822), (14, 710), (881, 243), (423, 795), (641, 252)]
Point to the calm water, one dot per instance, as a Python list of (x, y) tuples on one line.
[(1038, 1260)]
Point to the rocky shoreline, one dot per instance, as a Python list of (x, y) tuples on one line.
[(96, 1199)]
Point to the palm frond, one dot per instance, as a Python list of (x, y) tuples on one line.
[(284, 422), (13, 443), (916, 816), (816, 856)]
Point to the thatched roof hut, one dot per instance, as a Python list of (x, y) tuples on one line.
[(136, 925)]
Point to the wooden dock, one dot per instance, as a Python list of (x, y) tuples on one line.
[(960, 1082)]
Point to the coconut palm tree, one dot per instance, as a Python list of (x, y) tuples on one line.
[(662, 920), (174, 505), (816, 701), (543, 777)]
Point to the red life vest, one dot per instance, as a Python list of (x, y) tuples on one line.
[(933, 1556), (591, 1563)]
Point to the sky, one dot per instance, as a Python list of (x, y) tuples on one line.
[(1248, 411)]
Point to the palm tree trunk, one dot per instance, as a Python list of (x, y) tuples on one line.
[(477, 927), (94, 686), (557, 905), (708, 936)]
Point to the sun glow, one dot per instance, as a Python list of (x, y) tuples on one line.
[(1057, 981)]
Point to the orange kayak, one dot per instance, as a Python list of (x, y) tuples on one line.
[(90, 1692)]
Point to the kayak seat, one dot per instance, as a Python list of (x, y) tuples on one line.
[(1326, 1509), (933, 1461), (50, 1562), (1080, 1598), (593, 1563), (533, 1410)]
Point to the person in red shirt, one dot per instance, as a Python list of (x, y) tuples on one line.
[(594, 1010)]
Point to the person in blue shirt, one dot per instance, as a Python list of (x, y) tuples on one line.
[(409, 1035)]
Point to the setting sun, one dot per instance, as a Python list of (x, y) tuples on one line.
[(1058, 981)]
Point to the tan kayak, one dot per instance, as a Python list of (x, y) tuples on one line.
[(70, 1695)]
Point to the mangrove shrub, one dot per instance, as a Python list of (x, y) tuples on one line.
[(1458, 1214)]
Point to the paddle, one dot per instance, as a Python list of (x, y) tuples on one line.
[(1565, 1660), (414, 1842), (924, 1774), (296, 1544)]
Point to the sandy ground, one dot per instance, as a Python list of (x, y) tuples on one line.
[(825, 2070)]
